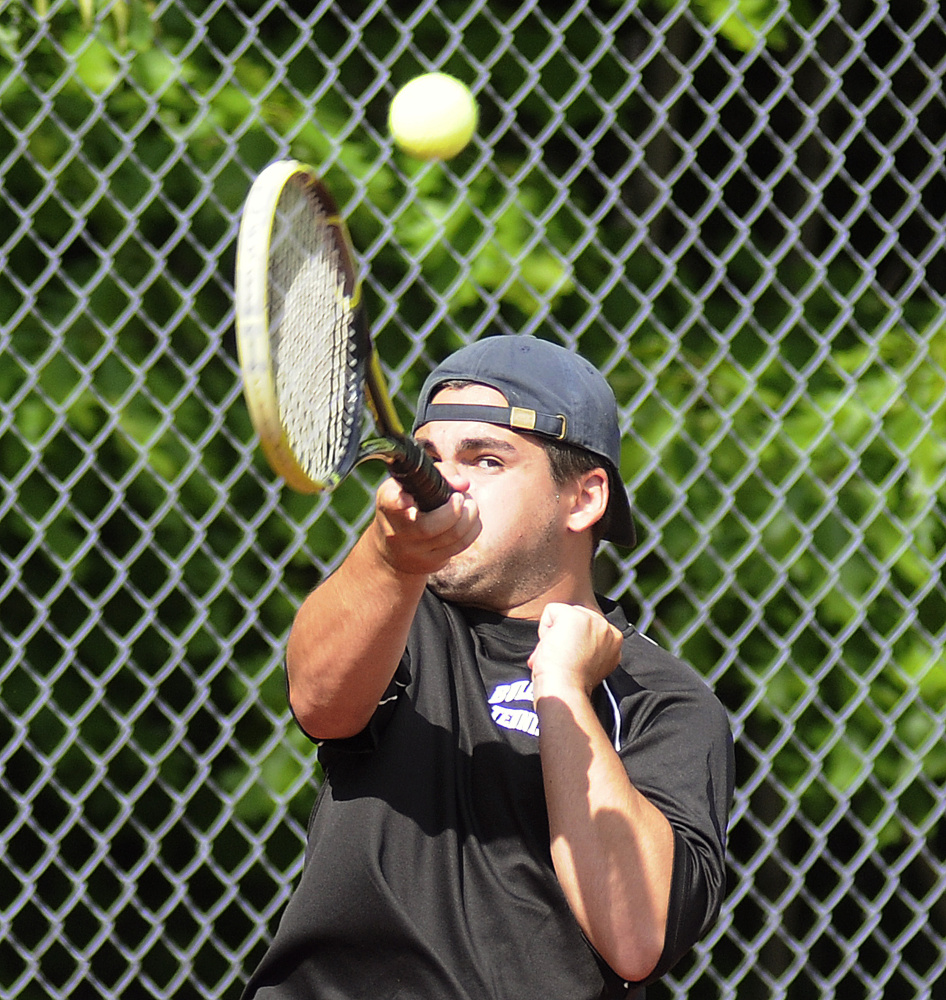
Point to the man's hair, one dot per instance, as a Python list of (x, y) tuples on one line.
[(567, 463)]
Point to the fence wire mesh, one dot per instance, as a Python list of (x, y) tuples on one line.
[(735, 209)]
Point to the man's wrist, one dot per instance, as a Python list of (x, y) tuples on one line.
[(568, 690), (388, 561)]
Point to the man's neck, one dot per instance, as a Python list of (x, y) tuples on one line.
[(566, 591)]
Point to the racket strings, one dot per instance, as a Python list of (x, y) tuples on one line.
[(315, 365)]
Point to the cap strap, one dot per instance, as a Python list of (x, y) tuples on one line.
[(519, 418)]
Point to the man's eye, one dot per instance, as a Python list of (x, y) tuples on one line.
[(488, 462)]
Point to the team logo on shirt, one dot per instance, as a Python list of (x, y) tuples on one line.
[(503, 702)]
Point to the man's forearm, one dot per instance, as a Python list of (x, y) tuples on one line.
[(346, 641), (351, 631), (612, 849)]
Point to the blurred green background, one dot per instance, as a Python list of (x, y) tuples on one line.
[(736, 210)]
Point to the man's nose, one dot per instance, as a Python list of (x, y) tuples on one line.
[(452, 471)]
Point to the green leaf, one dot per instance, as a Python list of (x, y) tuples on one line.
[(93, 63)]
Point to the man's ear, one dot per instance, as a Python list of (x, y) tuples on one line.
[(591, 495)]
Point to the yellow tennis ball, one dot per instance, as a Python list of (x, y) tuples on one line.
[(433, 116)]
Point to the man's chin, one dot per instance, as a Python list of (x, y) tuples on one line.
[(460, 588), (449, 588)]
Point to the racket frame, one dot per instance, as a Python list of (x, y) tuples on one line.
[(406, 461)]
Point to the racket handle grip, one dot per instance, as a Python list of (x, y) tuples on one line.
[(416, 472)]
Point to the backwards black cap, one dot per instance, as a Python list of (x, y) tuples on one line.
[(552, 392)]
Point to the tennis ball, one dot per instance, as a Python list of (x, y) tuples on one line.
[(433, 116)]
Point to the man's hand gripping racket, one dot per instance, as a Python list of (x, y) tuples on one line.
[(305, 346)]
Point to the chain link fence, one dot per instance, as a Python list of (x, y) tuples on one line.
[(735, 209)]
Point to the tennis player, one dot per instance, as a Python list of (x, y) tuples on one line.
[(524, 797)]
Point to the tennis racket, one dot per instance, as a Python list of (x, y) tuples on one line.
[(305, 347)]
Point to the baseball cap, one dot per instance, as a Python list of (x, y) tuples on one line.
[(552, 392)]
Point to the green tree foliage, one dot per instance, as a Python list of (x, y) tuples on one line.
[(122, 425)]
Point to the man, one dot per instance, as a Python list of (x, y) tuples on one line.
[(524, 797)]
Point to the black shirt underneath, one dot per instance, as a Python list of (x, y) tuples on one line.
[(428, 871)]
